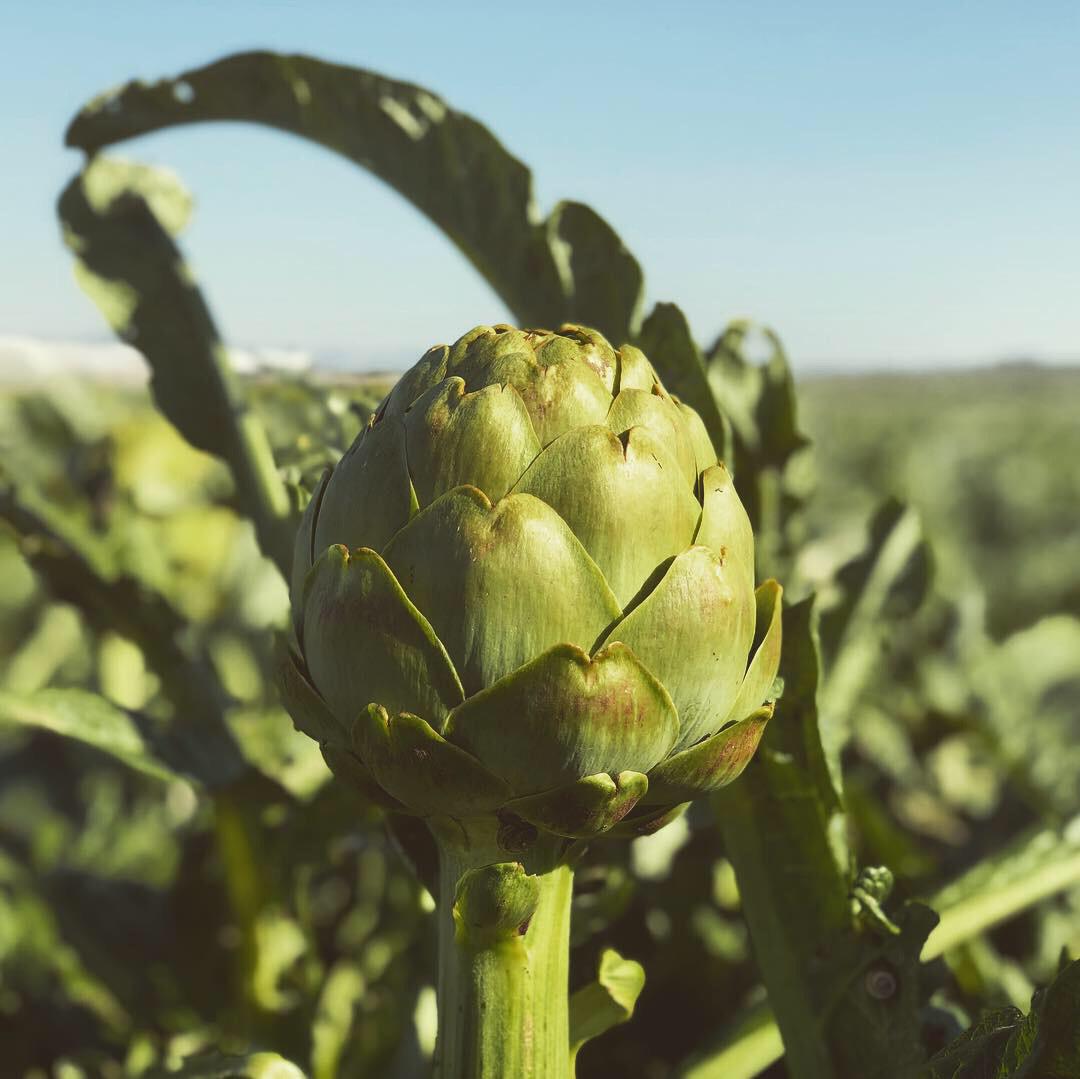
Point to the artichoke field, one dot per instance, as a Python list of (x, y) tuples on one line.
[(510, 607)]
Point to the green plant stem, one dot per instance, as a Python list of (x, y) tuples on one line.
[(502, 992), (246, 888)]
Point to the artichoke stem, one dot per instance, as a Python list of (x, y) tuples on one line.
[(504, 943)]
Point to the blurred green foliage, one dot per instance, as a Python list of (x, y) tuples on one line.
[(986, 456), (135, 929)]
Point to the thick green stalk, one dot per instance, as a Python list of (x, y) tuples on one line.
[(504, 943)]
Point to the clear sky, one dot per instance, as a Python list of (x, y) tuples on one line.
[(884, 184)]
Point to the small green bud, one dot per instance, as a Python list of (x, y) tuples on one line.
[(494, 902)]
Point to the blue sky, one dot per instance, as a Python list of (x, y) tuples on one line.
[(884, 184)]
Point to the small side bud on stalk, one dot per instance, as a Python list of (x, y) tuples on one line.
[(495, 901)]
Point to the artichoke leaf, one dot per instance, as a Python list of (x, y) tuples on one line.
[(369, 496), (693, 631), (624, 497), (559, 391), (310, 713), (348, 767), (510, 581), (765, 661), (304, 548), (484, 439), (725, 526), (585, 808), (645, 820), (704, 450), (660, 415), (711, 764), (592, 349), (417, 766), (424, 375), (565, 716), (635, 370), (365, 641)]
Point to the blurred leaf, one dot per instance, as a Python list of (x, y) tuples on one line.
[(77, 713), (571, 267), (1000, 886), (606, 1002), (603, 280), (745, 1051), (878, 590), (666, 339), (342, 989), (982, 971), (106, 180), (279, 943), (30, 937), (1043, 655), (758, 403), (270, 741), (1034, 673), (1044, 1044), (133, 271), (759, 399), (888, 578), (55, 636), (126, 606), (215, 1065)]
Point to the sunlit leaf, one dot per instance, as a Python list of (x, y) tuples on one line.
[(128, 263), (606, 1002), (570, 267), (79, 714)]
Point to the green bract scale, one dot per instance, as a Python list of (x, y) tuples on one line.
[(527, 590)]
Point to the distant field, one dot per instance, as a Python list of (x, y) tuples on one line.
[(992, 459)]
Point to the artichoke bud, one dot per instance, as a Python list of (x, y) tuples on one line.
[(494, 901), (527, 592)]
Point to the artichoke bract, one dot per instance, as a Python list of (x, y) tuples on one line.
[(527, 590)]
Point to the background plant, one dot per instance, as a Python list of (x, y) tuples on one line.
[(177, 874)]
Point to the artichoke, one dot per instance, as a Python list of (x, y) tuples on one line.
[(527, 591)]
